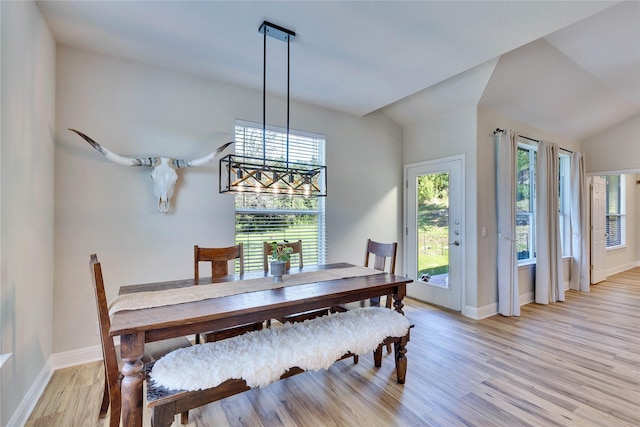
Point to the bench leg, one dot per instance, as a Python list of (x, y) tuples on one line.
[(377, 356), (162, 415), (401, 359)]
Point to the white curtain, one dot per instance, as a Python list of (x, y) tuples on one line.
[(579, 225), (549, 287), (508, 292)]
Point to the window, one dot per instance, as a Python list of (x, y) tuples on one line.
[(270, 218), (615, 211), (564, 204), (526, 204)]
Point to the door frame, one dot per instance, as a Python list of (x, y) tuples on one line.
[(463, 253), (597, 241)]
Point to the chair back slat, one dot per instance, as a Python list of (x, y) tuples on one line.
[(219, 259), (381, 252), (268, 250)]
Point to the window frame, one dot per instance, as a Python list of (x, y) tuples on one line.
[(564, 204), (530, 214), (314, 252), (621, 215)]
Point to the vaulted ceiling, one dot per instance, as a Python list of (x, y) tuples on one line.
[(572, 68)]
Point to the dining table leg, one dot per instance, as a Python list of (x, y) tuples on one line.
[(131, 350), (398, 296), (400, 349)]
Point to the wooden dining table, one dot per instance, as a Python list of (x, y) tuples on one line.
[(135, 327)]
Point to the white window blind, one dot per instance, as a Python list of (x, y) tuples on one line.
[(304, 147), (615, 214), (262, 218)]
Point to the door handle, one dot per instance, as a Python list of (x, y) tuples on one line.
[(455, 243)]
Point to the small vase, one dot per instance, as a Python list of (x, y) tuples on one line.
[(277, 270)]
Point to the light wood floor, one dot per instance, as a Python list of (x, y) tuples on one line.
[(575, 363)]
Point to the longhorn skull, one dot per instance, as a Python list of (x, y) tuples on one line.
[(164, 175)]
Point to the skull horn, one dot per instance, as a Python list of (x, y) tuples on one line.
[(183, 163), (116, 158)]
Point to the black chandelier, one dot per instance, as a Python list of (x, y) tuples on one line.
[(242, 174)]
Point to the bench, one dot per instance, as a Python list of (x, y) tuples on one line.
[(191, 377)]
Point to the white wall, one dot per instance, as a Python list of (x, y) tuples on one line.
[(109, 209), (26, 204), (470, 132), (364, 167), (488, 121), (615, 150), (450, 135)]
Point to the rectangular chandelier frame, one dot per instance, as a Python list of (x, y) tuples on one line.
[(242, 174)]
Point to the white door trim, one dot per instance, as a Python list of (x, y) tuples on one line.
[(461, 159)]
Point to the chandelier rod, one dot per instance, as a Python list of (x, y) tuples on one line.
[(264, 98), (288, 79)]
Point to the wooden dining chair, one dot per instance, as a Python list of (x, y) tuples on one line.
[(152, 351), (297, 250), (268, 250), (220, 258), (381, 253)]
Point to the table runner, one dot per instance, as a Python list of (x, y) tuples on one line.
[(149, 299)]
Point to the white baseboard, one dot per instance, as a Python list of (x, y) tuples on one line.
[(621, 268), (479, 313), (76, 357), (30, 400), (56, 361), (527, 298)]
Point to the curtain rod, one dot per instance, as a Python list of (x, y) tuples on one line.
[(530, 139)]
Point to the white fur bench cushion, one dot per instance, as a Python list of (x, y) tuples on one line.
[(261, 357)]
